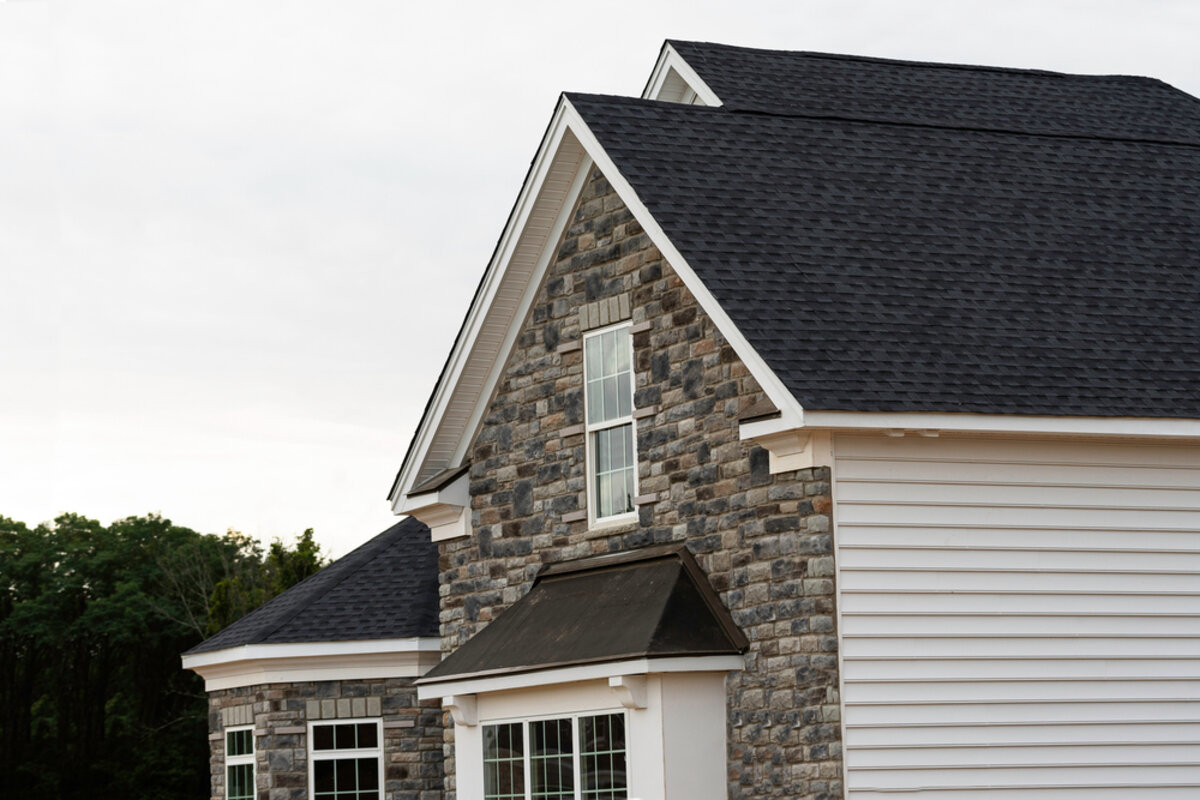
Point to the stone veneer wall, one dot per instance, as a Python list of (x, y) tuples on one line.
[(412, 733), (764, 540)]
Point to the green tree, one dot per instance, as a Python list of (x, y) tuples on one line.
[(93, 701)]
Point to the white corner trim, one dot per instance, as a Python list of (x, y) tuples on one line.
[(430, 690), (931, 424), (671, 70), (780, 396), (254, 664), (462, 708), (630, 690)]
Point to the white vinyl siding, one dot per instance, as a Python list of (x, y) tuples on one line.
[(1020, 619)]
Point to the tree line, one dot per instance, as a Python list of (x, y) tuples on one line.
[(93, 618)]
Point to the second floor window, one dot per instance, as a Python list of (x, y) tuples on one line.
[(612, 456)]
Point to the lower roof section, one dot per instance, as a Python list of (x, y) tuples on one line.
[(254, 664), (645, 604)]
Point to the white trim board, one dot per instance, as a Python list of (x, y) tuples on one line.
[(429, 690), (254, 664), (673, 78)]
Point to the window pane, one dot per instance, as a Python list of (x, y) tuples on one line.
[(610, 352), (239, 743), (343, 737), (322, 737), (602, 757), (592, 363), (344, 775), (610, 398), (368, 773), (621, 346), (595, 401), (503, 762), (603, 451), (624, 396), (550, 760), (323, 776), (367, 735), (240, 782)]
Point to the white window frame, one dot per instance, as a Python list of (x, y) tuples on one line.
[(315, 755), (575, 754), (242, 760), (590, 428)]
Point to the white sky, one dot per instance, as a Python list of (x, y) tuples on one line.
[(237, 238)]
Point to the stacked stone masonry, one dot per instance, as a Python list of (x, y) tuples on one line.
[(412, 733), (764, 540)]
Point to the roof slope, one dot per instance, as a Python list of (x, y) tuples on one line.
[(384, 589), (647, 603), (823, 84), (901, 267)]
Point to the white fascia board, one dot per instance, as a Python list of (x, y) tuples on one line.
[(556, 151), (790, 410), (1009, 424), (427, 690), (670, 61), (251, 665), (416, 644)]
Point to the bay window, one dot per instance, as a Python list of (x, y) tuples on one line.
[(539, 759)]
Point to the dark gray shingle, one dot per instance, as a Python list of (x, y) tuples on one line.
[(385, 589), (901, 267)]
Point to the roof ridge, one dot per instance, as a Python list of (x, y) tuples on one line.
[(897, 123), (949, 65)]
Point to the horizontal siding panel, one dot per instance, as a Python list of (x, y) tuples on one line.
[(940, 669), (923, 535), (1187, 791), (1019, 618), (1103, 735), (1060, 494), (1016, 603), (1127, 774), (1024, 516), (984, 578), (951, 559), (955, 755)]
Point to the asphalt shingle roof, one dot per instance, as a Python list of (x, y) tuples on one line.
[(961, 95), (884, 266), (385, 589)]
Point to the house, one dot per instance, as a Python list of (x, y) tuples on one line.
[(827, 427), (312, 695), (821, 427)]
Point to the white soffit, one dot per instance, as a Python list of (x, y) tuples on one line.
[(674, 81), (530, 240), (255, 664)]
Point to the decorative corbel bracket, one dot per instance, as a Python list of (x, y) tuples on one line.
[(462, 709), (798, 449), (629, 689)]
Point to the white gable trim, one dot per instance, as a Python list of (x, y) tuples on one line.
[(254, 664), (530, 239), (674, 81), (534, 226)]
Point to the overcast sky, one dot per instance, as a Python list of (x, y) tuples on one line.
[(237, 238)]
